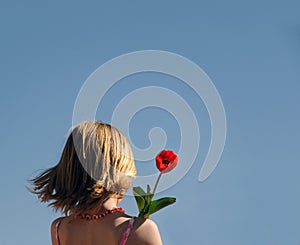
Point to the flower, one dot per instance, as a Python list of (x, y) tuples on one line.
[(166, 160)]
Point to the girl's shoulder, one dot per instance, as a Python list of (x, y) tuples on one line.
[(145, 231), (54, 229), (56, 222), (144, 223)]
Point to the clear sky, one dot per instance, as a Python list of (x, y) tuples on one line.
[(249, 49)]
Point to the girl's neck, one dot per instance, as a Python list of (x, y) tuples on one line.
[(110, 204)]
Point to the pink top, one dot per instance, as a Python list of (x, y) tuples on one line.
[(122, 242)]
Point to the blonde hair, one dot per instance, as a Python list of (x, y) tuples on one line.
[(96, 164)]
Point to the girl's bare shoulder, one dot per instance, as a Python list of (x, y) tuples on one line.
[(56, 222), (145, 231), (53, 229)]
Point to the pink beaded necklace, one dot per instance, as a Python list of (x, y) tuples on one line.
[(102, 215)]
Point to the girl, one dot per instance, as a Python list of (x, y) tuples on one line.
[(87, 185)]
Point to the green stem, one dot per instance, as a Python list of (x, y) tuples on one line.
[(156, 183)]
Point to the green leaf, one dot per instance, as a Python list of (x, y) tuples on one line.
[(149, 195), (139, 190), (146, 216), (149, 198), (140, 202), (138, 198), (160, 203)]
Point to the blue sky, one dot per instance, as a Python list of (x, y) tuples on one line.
[(250, 50)]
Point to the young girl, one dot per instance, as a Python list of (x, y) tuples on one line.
[(87, 185)]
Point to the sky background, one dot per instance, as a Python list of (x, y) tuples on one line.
[(249, 49)]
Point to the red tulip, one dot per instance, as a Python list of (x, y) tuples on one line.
[(166, 160)]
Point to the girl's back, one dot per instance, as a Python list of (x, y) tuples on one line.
[(108, 231)]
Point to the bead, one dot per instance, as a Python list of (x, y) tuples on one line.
[(102, 215)]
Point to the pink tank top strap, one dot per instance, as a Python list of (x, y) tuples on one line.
[(56, 230), (127, 231)]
